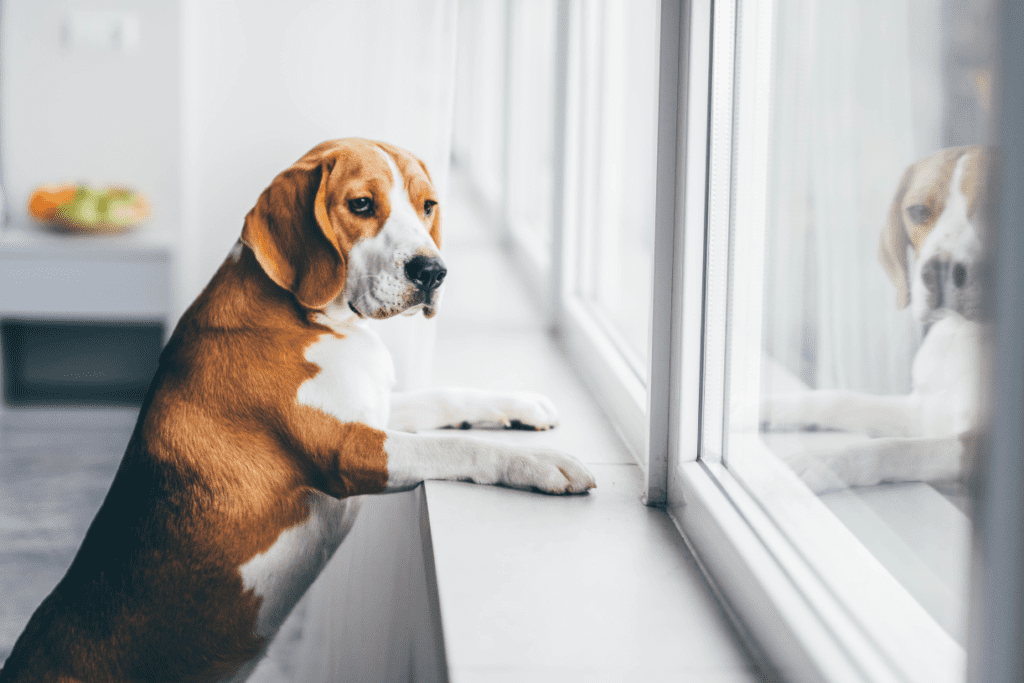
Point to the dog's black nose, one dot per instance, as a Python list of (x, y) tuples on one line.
[(427, 272), (959, 275)]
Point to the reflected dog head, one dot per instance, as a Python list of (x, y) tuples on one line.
[(937, 216)]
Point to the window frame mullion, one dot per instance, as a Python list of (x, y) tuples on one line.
[(663, 357)]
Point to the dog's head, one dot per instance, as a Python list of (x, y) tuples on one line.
[(936, 214), (354, 223)]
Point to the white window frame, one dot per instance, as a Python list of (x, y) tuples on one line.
[(815, 601), (616, 379)]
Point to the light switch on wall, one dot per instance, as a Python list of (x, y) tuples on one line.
[(114, 31)]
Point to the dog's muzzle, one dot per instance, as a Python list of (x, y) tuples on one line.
[(952, 284)]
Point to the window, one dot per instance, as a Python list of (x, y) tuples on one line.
[(817, 109), (616, 82), (609, 195), (478, 137), (531, 145), (706, 186)]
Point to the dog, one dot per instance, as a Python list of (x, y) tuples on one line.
[(932, 433), (271, 408)]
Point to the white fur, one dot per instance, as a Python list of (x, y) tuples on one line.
[(921, 432), (356, 373), (414, 411), (282, 573), (943, 400), (413, 458)]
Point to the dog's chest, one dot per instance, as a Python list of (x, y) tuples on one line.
[(946, 375), (355, 378)]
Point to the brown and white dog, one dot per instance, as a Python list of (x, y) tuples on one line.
[(928, 434), (271, 407)]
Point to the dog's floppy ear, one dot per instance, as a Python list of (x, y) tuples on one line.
[(892, 246), (290, 233)]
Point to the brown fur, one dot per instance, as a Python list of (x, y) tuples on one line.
[(222, 457)]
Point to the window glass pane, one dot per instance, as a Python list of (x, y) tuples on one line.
[(478, 131), (855, 287), (532, 72), (618, 115)]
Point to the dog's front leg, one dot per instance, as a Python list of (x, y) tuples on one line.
[(847, 411), (414, 411), (885, 460), (413, 458)]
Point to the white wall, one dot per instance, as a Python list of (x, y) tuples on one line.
[(221, 96), (91, 115)]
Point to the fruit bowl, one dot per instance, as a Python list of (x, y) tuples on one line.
[(85, 210)]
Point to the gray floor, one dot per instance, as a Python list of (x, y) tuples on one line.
[(55, 468)]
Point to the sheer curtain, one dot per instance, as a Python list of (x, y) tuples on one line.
[(858, 97)]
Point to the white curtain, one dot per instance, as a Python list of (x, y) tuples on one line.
[(857, 98)]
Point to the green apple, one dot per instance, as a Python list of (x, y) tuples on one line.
[(83, 209)]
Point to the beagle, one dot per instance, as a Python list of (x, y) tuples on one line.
[(931, 248), (270, 409)]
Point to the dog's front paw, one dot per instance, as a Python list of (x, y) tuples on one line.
[(519, 410), (548, 471)]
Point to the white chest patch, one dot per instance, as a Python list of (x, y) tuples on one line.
[(282, 574), (356, 376), (946, 374)]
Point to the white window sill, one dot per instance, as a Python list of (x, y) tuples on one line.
[(533, 587), (597, 587)]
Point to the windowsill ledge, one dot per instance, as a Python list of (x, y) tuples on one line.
[(596, 587), (550, 588)]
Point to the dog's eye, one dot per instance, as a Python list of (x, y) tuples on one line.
[(919, 213), (361, 205), (428, 206)]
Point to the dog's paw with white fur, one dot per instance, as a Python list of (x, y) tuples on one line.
[(514, 410), (548, 471), (457, 408)]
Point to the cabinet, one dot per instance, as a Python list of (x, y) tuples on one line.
[(81, 293)]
